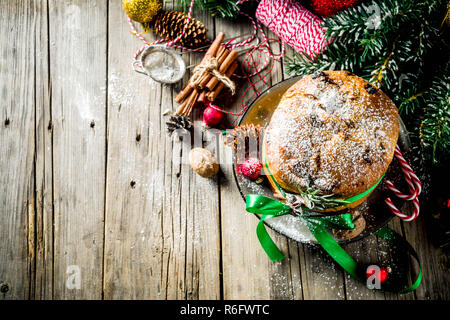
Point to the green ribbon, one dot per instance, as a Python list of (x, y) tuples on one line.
[(270, 208)]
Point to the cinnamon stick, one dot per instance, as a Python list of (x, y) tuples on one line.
[(181, 107), (220, 60), (212, 95), (190, 102), (230, 59), (202, 97), (212, 51), (183, 93)]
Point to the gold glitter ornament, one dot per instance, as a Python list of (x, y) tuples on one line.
[(142, 10)]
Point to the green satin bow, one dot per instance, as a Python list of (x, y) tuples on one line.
[(270, 208)]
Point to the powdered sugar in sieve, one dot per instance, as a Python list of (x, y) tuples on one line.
[(160, 63)]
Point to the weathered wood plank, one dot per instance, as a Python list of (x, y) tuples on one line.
[(435, 263), (162, 231), (78, 33), (245, 265), (44, 161), (17, 121), (203, 224)]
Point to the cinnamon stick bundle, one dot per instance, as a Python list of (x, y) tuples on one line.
[(212, 51), (222, 69), (212, 95), (204, 86)]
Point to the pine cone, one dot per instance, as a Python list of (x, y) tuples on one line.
[(170, 24), (246, 137), (178, 121)]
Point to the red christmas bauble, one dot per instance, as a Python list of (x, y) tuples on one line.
[(328, 8), (382, 276), (212, 116), (251, 168)]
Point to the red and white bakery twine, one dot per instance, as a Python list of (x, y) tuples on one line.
[(232, 44), (294, 24), (414, 185)]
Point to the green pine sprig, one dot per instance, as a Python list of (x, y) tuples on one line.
[(221, 8)]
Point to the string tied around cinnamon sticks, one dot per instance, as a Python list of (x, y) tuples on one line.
[(209, 78), (211, 66)]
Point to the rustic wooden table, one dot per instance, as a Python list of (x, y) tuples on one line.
[(90, 182)]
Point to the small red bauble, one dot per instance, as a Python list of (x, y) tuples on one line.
[(328, 8), (251, 168), (212, 116), (383, 275)]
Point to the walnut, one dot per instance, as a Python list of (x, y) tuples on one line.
[(203, 162)]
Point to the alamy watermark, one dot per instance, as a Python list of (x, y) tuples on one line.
[(73, 280)]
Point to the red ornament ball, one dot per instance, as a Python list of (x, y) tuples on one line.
[(382, 276), (212, 116), (328, 8), (251, 168)]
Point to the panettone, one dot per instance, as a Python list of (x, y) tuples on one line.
[(333, 132)]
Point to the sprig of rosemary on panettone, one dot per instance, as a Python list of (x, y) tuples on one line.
[(313, 199)]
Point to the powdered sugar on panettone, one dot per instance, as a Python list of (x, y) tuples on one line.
[(330, 134)]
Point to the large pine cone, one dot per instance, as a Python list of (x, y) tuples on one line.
[(170, 24)]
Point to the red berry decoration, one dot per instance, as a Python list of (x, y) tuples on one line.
[(212, 116), (328, 8), (251, 168), (382, 276)]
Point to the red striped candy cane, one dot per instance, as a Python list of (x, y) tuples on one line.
[(414, 186)]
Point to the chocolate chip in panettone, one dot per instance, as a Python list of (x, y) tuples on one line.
[(318, 74), (370, 89), (350, 123), (315, 121), (367, 158), (360, 225), (328, 80)]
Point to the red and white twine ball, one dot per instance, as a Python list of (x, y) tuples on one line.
[(294, 24)]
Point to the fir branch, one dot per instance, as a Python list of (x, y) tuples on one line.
[(221, 8), (378, 73), (409, 102), (434, 130)]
